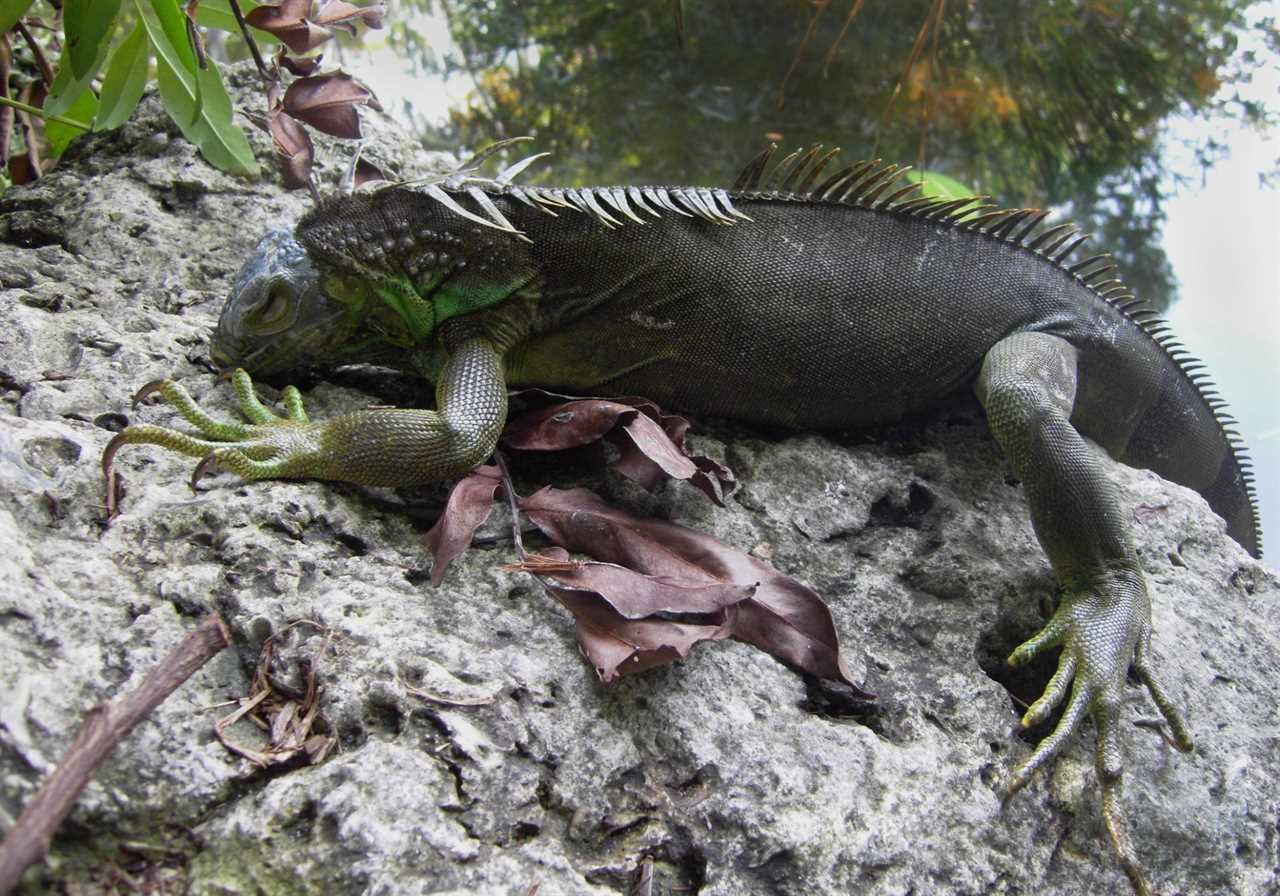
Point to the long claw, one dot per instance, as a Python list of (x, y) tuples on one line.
[(1181, 738), (147, 391), (1118, 829), (1111, 774), (1054, 691), (118, 441), (207, 465), (115, 484), (1047, 638), (1052, 745)]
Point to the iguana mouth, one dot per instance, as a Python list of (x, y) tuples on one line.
[(286, 351)]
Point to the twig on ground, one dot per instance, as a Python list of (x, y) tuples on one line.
[(103, 728)]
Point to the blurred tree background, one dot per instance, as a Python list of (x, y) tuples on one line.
[(1033, 102)]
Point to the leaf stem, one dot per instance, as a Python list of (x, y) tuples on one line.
[(46, 70), (253, 44), (510, 489), (35, 110)]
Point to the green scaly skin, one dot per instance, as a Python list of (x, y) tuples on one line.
[(816, 313)]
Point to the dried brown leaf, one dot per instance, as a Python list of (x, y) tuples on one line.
[(650, 443), (288, 23), (302, 66), (616, 645), (328, 103), (711, 477), (784, 618), (21, 171), (367, 172), (563, 425), (293, 146), (469, 505), (339, 12), (637, 596)]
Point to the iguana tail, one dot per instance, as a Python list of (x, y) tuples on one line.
[(1161, 413)]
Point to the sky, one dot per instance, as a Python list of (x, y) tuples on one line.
[(1222, 238)]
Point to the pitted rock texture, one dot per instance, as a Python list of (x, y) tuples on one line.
[(732, 773)]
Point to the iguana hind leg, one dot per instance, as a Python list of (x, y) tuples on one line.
[(376, 446), (1103, 622)]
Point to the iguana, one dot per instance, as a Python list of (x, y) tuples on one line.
[(802, 296)]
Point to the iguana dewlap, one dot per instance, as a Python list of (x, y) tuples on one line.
[(797, 298)]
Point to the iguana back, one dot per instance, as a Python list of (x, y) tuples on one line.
[(825, 306)]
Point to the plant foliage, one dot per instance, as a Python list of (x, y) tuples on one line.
[(105, 51)]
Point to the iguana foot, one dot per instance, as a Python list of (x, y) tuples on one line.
[(1101, 631), (268, 447)]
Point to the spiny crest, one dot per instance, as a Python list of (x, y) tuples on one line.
[(601, 203)]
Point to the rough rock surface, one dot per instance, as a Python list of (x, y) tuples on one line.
[(731, 772)]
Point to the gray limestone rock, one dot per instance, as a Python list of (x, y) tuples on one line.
[(731, 772)]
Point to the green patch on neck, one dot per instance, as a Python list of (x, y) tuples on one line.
[(398, 313), (419, 316), (466, 296)]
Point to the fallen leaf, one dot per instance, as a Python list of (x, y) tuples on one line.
[(299, 65), (470, 502), (651, 444), (367, 173), (784, 618), (616, 645)]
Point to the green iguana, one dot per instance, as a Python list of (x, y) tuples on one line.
[(793, 298)]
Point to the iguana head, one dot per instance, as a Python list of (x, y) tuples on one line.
[(365, 279), (279, 316)]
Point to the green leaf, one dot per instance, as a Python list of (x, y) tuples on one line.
[(125, 80), (217, 14), (67, 85), (11, 11), (938, 186), (59, 134), (88, 26), (194, 98)]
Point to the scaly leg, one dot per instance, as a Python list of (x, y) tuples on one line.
[(1103, 623), (380, 446)]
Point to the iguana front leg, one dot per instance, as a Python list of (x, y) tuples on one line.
[(380, 446), (1103, 623)]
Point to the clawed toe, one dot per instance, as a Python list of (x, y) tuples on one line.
[(219, 444)]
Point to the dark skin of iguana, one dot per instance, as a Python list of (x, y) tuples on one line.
[(814, 313)]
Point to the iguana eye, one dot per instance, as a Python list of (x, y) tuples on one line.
[(276, 306)]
